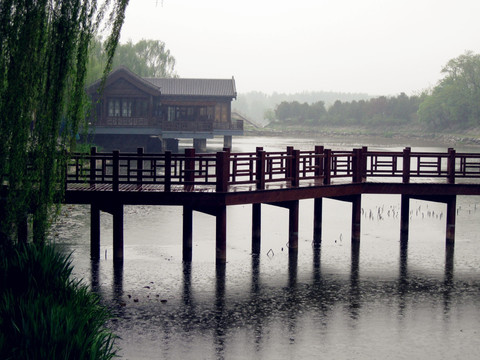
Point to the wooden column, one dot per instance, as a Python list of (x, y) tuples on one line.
[(118, 232), (317, 221), (256, 228), (187, 233), (406, 165), (189, 177), (356, 217), (293, 226), (227, 141), (221, 235), (404, 217), (94, 232), (451, 217)]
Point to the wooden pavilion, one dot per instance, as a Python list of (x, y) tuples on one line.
[(155, 113)]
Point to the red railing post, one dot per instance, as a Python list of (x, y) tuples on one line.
[(295, 168), (406, 165), (318, 161), (222, 171), (289, 163), (356, 167), (139, 167), (93, 166), (189, 176), (327, 162), (260, 169), (168, 171), (451, 166), (115, 170), (363, 164)]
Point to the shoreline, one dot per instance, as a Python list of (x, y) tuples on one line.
[(467, 137)]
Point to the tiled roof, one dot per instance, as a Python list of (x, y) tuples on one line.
[(195, 87)]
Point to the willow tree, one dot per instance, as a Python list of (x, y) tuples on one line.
[(43, 58)]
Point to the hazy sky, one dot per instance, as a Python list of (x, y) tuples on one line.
[(381, 47)]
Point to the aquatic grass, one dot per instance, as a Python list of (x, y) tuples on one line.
[(44, 313)]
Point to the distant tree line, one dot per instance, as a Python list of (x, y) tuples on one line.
[(259, 107), (453, 104), (399, 109)]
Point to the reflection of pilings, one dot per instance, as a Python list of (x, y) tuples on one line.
[(292, 269), (317, 250), (293, 308), (220, 312), (403, 276), (257, 302), (118, 279), (187, 283), (95, 275), (354, 281), (255, 274), (448, 282)]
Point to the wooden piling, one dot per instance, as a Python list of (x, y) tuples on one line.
[(317, 221), (118, 232), (187, 233), (256, 228), (94, 231), (293, 226), (221, 235), (356, 217), (404, 217), (451, 218)]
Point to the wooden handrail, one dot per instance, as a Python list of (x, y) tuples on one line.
[(114, 170)]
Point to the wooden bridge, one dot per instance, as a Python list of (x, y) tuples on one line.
[(210, 182)]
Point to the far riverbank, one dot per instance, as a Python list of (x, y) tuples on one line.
[(412, 132)]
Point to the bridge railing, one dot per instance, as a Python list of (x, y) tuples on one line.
[(261, 169)]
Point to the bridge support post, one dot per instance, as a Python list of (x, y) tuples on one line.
[(94, 232), (404, 217), (171, 145), (356, 217), (200, 145), (221, 235), (118, 232), (451, 217), (256, 228), (187, 233), (293, 226), (317, 222), (227, 141)]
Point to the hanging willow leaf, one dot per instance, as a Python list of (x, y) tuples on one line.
[(43, 54)]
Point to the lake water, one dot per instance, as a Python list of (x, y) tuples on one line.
[(381, 301)]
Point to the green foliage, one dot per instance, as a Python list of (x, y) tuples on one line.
[(43, 55), (381, 110), (455, 102), (44, 314), (146, 58)]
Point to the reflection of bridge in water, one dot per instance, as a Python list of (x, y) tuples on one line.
[(210, 182), (223, 314)]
